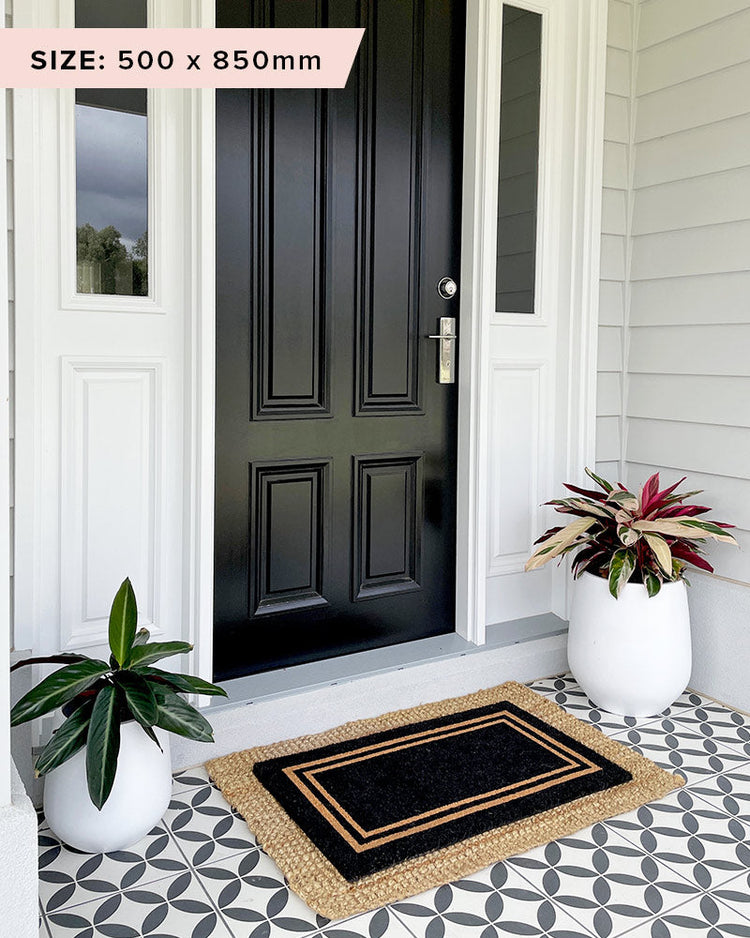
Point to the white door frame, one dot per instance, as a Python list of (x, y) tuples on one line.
[(568, 253), (583, 30)]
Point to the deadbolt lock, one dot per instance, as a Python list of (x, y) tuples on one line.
[(447, 288)]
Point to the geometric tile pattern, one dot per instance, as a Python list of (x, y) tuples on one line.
[(674, 868)]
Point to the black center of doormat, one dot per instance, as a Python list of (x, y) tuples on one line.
[(377, 800)]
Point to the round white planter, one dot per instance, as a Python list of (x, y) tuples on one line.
[(631, 655), (139, 797)]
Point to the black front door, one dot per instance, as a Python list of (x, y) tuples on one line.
[(338, 213)]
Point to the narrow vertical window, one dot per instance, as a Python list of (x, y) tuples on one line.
[(111, 134), (520, 92)]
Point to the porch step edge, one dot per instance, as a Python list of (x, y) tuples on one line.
[(298, 712)]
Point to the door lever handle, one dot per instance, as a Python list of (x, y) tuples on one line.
[(446, 365)]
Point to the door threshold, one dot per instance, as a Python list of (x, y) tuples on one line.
[(332, 671)]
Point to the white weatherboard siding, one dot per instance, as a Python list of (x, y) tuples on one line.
[(613, 295), (684, 324), (18, 822)]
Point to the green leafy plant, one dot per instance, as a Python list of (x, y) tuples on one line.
[(650, 537), (98, 696)]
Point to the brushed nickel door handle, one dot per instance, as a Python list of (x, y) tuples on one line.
[(446, 366)]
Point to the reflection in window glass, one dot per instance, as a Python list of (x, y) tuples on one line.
[(111, 128), (519, 160)]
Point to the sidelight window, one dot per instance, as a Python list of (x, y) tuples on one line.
[(111, 140), (518, 185)]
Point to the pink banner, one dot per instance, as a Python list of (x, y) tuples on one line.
[(177, 58)]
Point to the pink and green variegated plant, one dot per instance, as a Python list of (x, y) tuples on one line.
[(622, 537)]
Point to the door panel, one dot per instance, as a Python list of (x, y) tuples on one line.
[(338, 212)]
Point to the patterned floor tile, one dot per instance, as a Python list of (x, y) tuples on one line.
[(728, 727), (736, 894), (687, 834), (252, 895), (68, 877), (492, 904), (205, 826), (674, 868), (382, 923), (190, 779), (700, 918), (177, 908), (678, 748), (43, 927), (607, 883), (728, 792), (565, 692)]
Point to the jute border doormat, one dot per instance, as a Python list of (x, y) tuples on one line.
[(317, 881)]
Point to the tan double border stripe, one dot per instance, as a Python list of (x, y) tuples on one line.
[(487, 721), (470, 805)]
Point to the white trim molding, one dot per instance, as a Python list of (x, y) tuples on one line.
[(150, 359), (6, 638), (558, 338)]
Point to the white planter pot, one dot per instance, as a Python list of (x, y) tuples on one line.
[(139, 798), (631, 655)]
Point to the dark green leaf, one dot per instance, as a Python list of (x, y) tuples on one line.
[(65, 658), (153, 651), (151, 735), (177, 716), (652, 583), (184, 683), (620, 570), (66, 741), (139, 698), (58, 689), (141, 637), (103, 745), (123, 620)]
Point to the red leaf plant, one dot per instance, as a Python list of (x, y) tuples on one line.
[(627, 538)]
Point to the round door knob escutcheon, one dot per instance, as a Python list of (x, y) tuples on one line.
[(447, 288)]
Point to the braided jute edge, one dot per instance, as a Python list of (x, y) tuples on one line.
[(321, 886)]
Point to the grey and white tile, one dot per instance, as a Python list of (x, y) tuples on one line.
[(566, 693), (68, 877), (705, 845), (252, 895), (177, 908), (382, 923), (678, 748), (727, 727), (728, 792), (607, 883), (677, 867), (494, 903), (701, 918), (205, 826)]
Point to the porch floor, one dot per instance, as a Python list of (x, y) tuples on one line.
[(680, 866)]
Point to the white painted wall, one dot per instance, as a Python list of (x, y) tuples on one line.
[(684, 267)]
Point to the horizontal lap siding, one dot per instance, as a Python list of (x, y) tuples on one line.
[(11, 300), (688, 361), (614, 260)]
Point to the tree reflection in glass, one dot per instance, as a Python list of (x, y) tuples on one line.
[(112, 191)]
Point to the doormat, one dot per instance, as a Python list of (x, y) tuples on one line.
[(377, 810)]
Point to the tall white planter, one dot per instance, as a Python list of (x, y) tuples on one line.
[(631, 655), (139, 797)]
